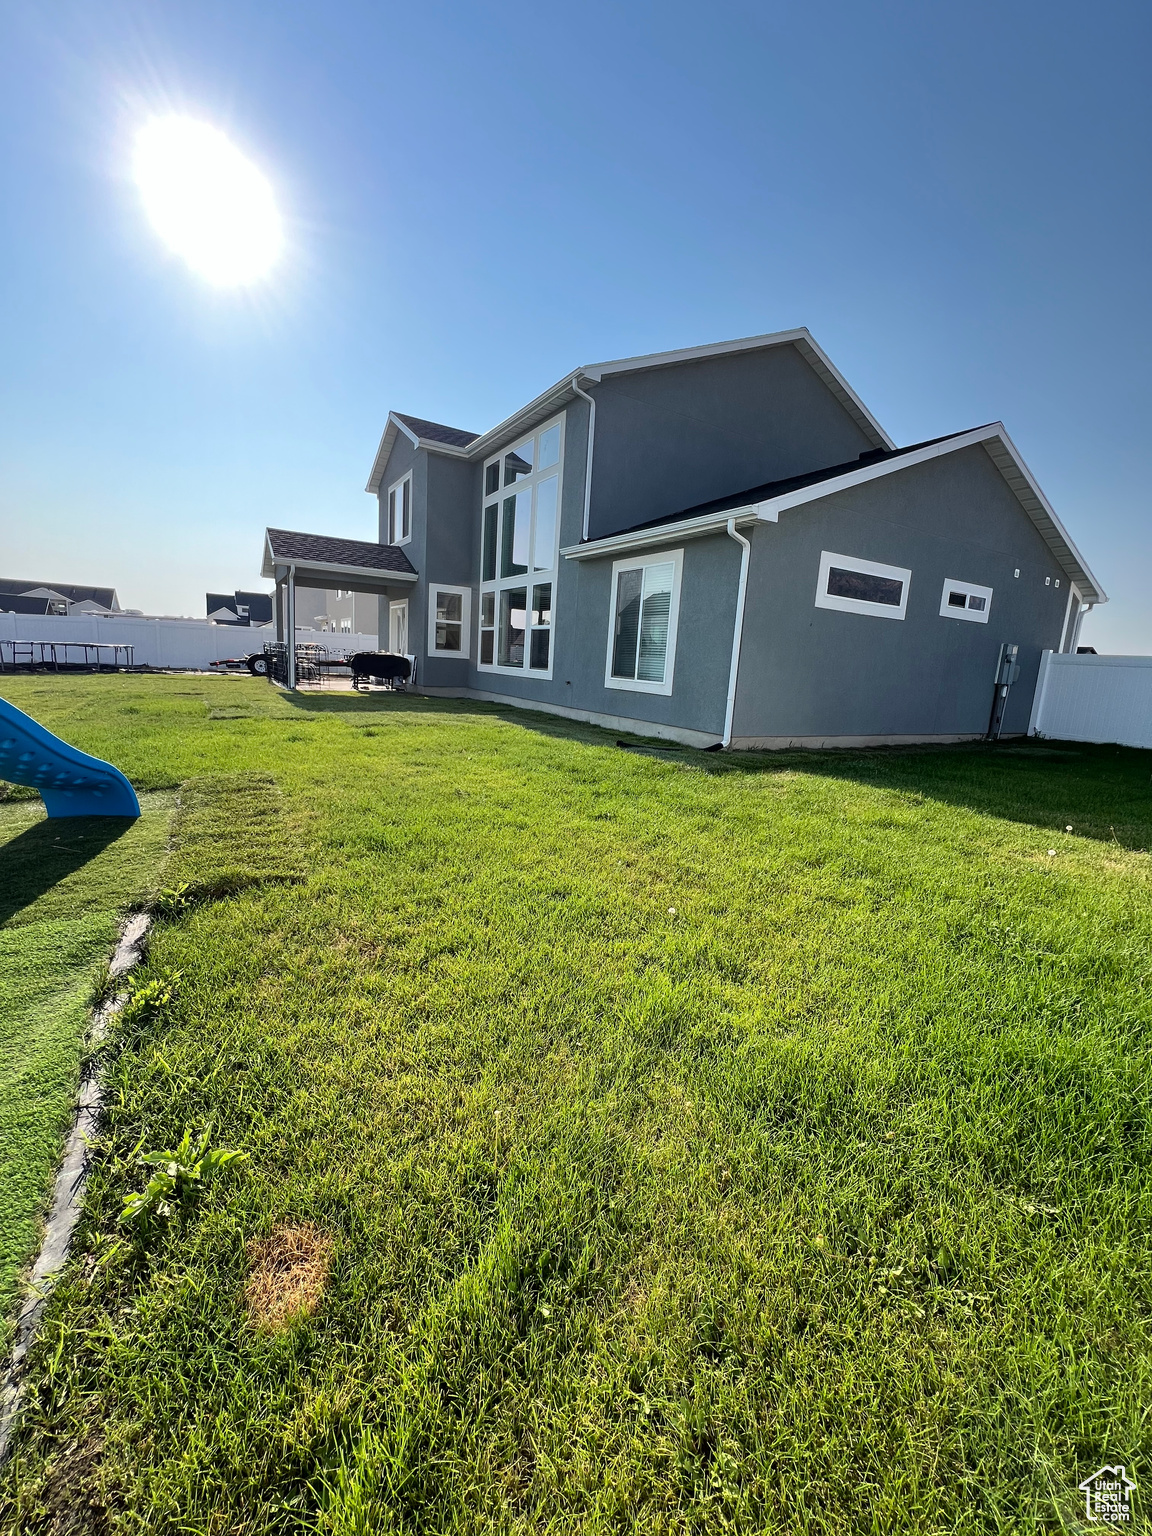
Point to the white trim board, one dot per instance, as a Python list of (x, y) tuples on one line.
[(674, 558), (993, 438), (465, 596), (523, 420)]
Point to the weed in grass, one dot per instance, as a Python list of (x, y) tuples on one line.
[(179, 1178)]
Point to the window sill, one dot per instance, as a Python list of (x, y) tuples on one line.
[(631, 685)]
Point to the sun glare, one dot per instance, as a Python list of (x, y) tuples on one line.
[(210, 204)]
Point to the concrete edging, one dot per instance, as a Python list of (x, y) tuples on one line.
[(67, 1191)]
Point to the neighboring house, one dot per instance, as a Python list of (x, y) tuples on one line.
[(55, 598), (243, 608), (720, 546)]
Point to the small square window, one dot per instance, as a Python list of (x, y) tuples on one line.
[(965, 600)]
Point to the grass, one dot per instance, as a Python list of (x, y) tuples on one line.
[(63, 886), (692, 1143)]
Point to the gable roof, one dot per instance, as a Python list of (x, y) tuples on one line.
[(478, 447), (284, 547), (60, 592), (422, 434), (764, 503), (436, 432)]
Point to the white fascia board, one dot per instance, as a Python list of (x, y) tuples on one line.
[(1034, 502), (993, 437), (356, 572), (516, 424), (544, 404), (268, 566), (801, 338), (646, 538), (1078, 570)]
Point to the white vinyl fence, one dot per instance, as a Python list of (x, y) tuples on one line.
[(180, 644), (1094, 698)]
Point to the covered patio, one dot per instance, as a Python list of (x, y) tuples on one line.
[(335, 565)]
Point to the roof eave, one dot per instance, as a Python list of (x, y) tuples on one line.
[(669, 533), (1011, 466)]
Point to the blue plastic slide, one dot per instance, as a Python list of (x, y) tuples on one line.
[(71, 782)]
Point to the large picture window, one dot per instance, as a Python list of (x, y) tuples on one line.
[(400, 511), (519, 541), (644, 612), (860, 586)]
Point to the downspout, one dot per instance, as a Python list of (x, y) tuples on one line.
[(588, 465), (737, 628)]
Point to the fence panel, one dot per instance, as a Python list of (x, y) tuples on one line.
[(182, 644), (1094, 698)]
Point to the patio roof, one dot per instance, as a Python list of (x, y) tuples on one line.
[(353, 565)]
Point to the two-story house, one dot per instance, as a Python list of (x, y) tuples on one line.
[(720, 546)]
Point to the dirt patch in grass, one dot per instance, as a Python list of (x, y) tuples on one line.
[(289, 1273)]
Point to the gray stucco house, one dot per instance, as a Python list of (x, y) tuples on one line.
[(718, 546)]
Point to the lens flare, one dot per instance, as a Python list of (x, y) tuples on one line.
[(206, 201)]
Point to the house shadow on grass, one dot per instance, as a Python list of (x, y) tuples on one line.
[(48, 851), (1102, 792)]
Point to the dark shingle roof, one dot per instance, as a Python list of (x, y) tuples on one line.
[(318, 549), (105, 596), (794, 483), (436, 432)]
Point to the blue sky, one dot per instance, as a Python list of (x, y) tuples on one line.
[(479, 197)]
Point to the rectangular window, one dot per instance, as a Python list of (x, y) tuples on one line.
[(541, 622), (487, 627), (963, 600), (515, 529), (853, 585), (519, 462), (644, 615), (513, 623), (488, 561), (400, 511), (519, 539), (448, 616)]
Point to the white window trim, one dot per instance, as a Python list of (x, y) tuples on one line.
[(865, 568), (397, 486), (969, 589), (464, 593), (638, 562), (531, 578)]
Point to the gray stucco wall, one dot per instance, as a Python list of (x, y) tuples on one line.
[(676, 436), (404, 457), (815, 672)]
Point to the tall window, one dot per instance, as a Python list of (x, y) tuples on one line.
[(644, 614), (400, 511), (519, 540), (448, 627)]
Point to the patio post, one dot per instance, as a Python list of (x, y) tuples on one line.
[(290, 625)]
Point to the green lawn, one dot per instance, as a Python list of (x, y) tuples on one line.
[(63, 886), (700, 1143)]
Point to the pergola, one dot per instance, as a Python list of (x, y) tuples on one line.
[(314, 560)]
